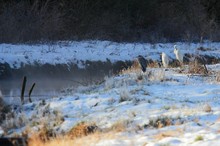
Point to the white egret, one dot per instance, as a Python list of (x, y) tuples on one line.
[(165, 60), (179, 55)]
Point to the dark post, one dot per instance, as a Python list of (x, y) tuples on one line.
[(23, 89), (30, 91)]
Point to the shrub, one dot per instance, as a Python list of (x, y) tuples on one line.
[(207, 108), (197, 68), (124, 95), (218, 76), (156, 75), (199, 138), (161, 122), (4, 110), (82, 129)]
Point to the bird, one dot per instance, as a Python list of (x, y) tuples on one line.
[(165, 60), (179, 55), (142, 62)]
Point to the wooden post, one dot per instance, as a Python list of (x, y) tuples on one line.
[(30, 91), (23, 89)]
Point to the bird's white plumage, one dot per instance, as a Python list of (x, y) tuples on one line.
[(165, 60), (179, 55)]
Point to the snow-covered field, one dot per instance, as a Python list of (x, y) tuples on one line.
[(162, 107), (76, 52)]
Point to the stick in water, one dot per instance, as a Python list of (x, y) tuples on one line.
[(23, 89), (30, 91)]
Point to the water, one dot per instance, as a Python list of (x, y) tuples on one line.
[(45, 88), (51, 79)]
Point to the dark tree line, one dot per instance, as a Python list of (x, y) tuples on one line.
[(117, 20)]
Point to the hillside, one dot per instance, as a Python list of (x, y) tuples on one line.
[(172, 106)]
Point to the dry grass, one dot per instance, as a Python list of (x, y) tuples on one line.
[(80, 135), (119, 126), (47, 137), (156, 75), (196, 68), (66, 140), (175, 63), (172, 133), (218, 76), (199, 138), (135, 68), (125, 95), (207, 108), (153, 64), (5, 110), (82, 129), (161, 122)]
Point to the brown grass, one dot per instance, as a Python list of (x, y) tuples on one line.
[(164, 134), (135, 68), (218, 76), (207, 108), (82, 129), (175, 63), (65, 140), (196, 68), (80, 135), (153, 64), (119, 126)]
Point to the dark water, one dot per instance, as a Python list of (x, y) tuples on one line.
[(45, 88), (51, 79)]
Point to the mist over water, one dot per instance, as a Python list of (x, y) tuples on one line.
[(52, 79), (45, 88)]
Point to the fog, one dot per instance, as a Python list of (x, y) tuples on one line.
[(51, 80)]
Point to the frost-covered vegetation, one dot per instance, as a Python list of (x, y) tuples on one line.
[(170, 106)]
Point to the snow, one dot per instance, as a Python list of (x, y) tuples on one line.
[(76, 52), (180, 97), (146, 100)]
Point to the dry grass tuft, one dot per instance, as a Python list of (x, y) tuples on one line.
[(125, 95), (119, 126), (65, 140), (161, 122), (82, 129), (46, 134), (173, 133), (218, 76), (47, 137), (156, 75), (175, 63), (199, 138), (207, 108), (197, 68), (135, 68), (153, 64), (5, 110)]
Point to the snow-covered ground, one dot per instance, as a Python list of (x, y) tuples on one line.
[(189, 105), (157, 108), (75, 52)]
